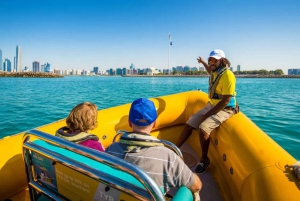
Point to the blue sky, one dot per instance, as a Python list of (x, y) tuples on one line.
[(113, 34)]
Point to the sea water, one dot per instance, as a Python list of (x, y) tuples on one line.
[(26, 103)]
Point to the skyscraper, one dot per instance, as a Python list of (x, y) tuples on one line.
[(186, 68), (1, 60), (96, 70), (238, 68), (119, 71), (43, 68), (36, 66), (15, 65), (18, 59), (47, 67), (124, 71), (7, 65), (132, 66)]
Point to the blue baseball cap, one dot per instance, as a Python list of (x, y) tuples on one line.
[(142, 112)]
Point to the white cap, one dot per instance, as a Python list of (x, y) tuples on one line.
[(217, 54)]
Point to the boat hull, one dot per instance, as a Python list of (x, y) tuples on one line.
[(245, 162)]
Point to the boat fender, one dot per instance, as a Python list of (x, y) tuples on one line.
[(77, 138), (296, 168)]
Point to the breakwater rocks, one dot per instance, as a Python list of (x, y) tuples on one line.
[(30, 74), (164, 75), (268, 76), (239, 76)]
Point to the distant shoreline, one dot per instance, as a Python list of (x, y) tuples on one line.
[(29, 75), (238, 76), (54, 75)]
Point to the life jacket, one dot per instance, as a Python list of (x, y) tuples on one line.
[(214, 82), (137, 140), (77, 138)]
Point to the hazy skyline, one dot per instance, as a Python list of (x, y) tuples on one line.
[(114, 34)]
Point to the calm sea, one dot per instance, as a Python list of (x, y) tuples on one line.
[(272, 103)]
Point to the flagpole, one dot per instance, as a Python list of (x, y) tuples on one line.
[(169, 53), (169, 58)]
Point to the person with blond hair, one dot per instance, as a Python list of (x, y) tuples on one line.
[(81, 119)]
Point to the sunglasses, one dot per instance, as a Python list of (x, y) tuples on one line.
[(212, 60)]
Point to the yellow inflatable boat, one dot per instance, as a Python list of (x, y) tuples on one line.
[(246, 164)]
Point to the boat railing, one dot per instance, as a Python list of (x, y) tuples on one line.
[(144, 188)]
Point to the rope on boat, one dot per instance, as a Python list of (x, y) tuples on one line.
[(196, 196), (296, 168)]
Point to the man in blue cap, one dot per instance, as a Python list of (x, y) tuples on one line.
[(139, 147), (221, 106)]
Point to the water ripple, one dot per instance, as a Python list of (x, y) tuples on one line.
[(273, 104)]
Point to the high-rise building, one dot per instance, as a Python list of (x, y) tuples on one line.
[(67, 72), (96, 70), (124, 71), (290, 71), (18, 59), (238, 68), (119, 71), (35, 66), (7, 65), (43, 68), (56, 71), (48, 67), (15, 65), (294, 71), (132, 66), (112, 72), (166, 71), (179, 68), (194, 68), (134, 71), (186, 68), (1, 60)]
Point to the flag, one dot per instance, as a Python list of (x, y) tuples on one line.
[(170, 39)]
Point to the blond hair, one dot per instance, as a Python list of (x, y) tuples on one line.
[(83, 117)]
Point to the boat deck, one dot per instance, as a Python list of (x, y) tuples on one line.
[(209, 191)]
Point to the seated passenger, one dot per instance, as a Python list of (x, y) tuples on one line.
[(138, 147), (82, 118)]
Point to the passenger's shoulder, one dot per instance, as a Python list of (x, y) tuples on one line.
[(167, 151)]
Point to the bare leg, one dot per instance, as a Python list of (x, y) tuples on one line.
[(204, 141), (185, 134)]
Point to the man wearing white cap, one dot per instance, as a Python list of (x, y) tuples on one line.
[(222, 104)]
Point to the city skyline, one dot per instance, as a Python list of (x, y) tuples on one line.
[(36, 67), (36, 64), (115, 71), (113, 34)]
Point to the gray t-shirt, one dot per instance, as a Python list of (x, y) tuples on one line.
[(162, 164)]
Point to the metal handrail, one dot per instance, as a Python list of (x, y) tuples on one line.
[(114, 162), (173, 147)]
